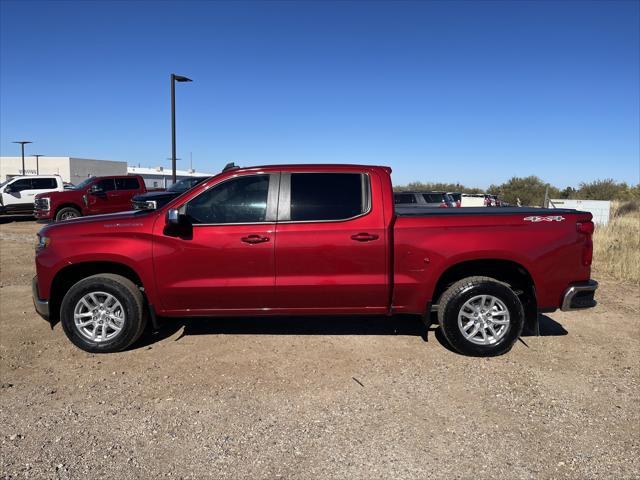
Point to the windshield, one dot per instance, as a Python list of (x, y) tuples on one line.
[(85, 183), (185, 184), (4, 183)]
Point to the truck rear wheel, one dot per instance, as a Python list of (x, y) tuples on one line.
[(480, 316), (67, 213), (103, 313)]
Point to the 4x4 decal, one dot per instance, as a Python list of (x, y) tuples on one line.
[(550, 218)]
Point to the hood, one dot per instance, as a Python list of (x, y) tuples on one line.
[(108, 219), (64, 195), (155, 196)]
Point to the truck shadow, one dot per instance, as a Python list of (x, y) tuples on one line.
[(15, 218), (407, 325)]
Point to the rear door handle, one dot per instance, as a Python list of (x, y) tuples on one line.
[(254, 239), (364, 237)]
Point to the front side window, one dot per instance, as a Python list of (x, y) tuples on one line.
[(106, 184), (127, 183), (328, 196), (43, 183), (239, 200), (404, 198), (20, 185)]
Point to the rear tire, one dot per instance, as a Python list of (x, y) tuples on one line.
[(103, 313), (480, 316), (67, 213)]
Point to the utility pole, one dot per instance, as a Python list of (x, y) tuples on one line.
[(38, 163), (22, 143), (174, 78)]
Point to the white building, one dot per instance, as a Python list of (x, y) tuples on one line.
[(71, 169), (160, 177), (75, 170)]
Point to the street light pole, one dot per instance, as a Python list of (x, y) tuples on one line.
[(22, 143), (174, 78), (38, 163)]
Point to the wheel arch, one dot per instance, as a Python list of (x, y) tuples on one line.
[(68, 276), (510, 272)]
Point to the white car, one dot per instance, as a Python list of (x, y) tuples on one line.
[(17, 194)]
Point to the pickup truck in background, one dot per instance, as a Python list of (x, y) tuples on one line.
[(17, 195), (153, 200), (93, 196), (423, 200), (312, 240)]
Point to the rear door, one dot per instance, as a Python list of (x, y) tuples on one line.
[(126, 188), (331, 251)]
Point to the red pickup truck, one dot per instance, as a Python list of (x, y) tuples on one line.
[(312, 239), (95, 195)]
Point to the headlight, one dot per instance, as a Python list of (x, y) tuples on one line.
[(43, 242)]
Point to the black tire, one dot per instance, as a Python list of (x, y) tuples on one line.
[(453, 299), (67, 213), (129, 296)]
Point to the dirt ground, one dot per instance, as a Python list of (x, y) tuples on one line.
[(316, 398)]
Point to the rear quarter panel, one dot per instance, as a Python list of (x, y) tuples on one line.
[(425, 247)]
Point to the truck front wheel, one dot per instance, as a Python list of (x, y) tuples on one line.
[(67, 213), (103, 313), (480, 316)]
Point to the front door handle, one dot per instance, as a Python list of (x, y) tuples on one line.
[(254, 239), (364, 237)]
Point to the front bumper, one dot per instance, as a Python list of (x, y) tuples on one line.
[(579, 296), (41, 306)]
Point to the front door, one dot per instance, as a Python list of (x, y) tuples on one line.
[(331, 254), (20, 197), (102, 201), (223, 262)]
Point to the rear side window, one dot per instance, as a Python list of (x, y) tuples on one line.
[(240, 200), (106, 184), (433, 197), (328, 196), (127, 183), (43, 183), (400, 198)]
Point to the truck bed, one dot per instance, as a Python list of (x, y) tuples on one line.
[(430, 211)]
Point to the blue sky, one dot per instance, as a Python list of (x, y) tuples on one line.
[(474, 92)]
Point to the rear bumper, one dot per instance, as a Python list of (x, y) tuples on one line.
[(41, 306), (579, 296)]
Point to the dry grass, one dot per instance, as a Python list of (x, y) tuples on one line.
[(617, 245)]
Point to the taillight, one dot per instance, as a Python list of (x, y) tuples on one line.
[(586, 228)]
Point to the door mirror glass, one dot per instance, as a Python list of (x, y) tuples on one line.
[(96, 190), (173, 216), (8, 189)]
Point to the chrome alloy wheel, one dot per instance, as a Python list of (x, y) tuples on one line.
[(484, 319), (99, 316), (68, 216)]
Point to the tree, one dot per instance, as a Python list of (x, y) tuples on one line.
[(607, 189), (530, 190)]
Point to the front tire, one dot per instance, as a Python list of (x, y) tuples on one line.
[(67, 213), (103, 313), (480, 316)]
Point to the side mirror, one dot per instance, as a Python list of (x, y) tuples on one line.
[(96, 190), (8, 189), (173, 216)]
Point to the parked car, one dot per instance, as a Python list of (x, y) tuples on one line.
[(153, 200), (95, 195), (423, 200), (17, 195), (456, 197), (312, 239)]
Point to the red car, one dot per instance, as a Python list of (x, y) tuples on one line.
[(312, 239), (95, 195)]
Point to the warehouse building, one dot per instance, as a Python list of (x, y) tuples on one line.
[(75, 170)]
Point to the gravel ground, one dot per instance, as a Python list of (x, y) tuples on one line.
[(311, 398)]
